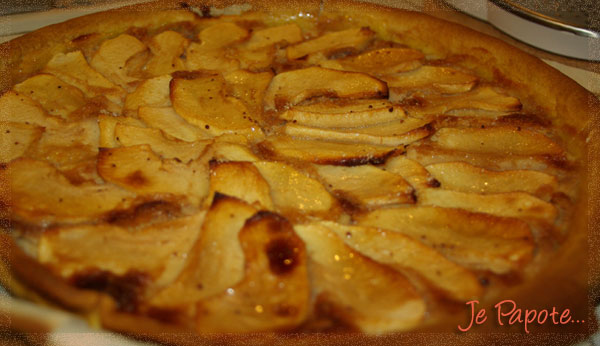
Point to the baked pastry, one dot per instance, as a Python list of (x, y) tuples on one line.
[(307, 167)]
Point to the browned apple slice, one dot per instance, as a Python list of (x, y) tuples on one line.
[(168, 121), (461, 176), (355, 38), (55, 96), (293, 87), (138, 169), (201, 101), (74, 69), (498, 140), (249, 87), (152, 92), (209, 55), (128, 135), (107, 124), (16, 139), (437, 78), (395, 133), (112, 56), (275, 291), (167, 48), (19, 108), (324, 152), (407, 255), (509, 204), (412, 171), (288, 33), (231, 148), (366, 185), (350, 113), (356, 290), (158, 251), (241, 180), (485, 101), (216, 261), (222, 34), (379, 62), (293, 191), (40, 193), (478, 241)]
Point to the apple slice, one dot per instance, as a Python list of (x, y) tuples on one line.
[(509, 204), (355, 38), (55, 96), (394, 134), (107, 124), (16, 139), (152, 92), (440, 79), (274, 293), (39, 193), (349, 113), (158, 250), (412, 171), (346, 154), (168, 121), (356, 290), (231, 148), (112, 56), (292, 87), (216, 261), (379, 62), (496, 140), (477, 241), (366, 185), (18, 108), (167, 48), (74, 69), (128, 135), (293, 191), (241, 180), (209, 54), (287, 33), (139, 170), (463, 177), (249, 87), (409, 256), (201, 101)]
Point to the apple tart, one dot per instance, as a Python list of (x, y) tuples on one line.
[(302, 167)]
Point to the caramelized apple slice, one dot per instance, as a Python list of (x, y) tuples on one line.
[(231, 148), (222, 34), (275, 291), (484, 100), (216, 261), (209, 55), (152, 92), (201, 101), (288, 33), (379, 61), (19, 108), (356, 290), (354, 113), (113, 54), (408, 255), (509, 204), (167, 48), (39, 193), (249, 87), (168, 121), (478, 241), (496, 140), (366, 185), (293, 87), (324, 152), (241, 180), (107, 124), (437, 78), (158, 250), (55, 96), (128, 135), (75, 70), (16, 139), (138, 169), (293, 191), (461, 176), (356, 38), (412, 171), (395, 133)]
